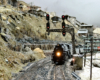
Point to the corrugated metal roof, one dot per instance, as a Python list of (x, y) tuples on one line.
[(72, 17), (87, 25), (35, 6), (82, 31)]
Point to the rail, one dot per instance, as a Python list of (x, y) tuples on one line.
[(76, 76), (62, 73)]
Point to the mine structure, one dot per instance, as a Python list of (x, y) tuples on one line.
[(89, 28)]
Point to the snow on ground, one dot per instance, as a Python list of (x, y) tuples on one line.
[(85, 73)]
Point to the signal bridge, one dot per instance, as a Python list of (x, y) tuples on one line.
[(63, 30)]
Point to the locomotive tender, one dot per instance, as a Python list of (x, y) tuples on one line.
[(61, 53)]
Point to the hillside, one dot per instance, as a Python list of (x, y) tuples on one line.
[(30, 25)]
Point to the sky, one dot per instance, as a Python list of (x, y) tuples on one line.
[(86, 11)]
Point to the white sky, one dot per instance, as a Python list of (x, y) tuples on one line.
[(87, 11)]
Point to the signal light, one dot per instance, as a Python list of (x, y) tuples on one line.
[(63, 25), (73, 59), (98, 48), (47, 17), (63, 17), (48, 26), (63, 33), (66, 17)]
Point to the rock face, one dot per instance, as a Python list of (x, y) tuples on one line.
[(20, 25), (12, 2)]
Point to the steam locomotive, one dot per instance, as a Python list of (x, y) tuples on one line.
[(61, 53)]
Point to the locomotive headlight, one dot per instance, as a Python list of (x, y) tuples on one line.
[(58, 54)]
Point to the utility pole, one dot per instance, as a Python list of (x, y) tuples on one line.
[(91, 58), (31, 3), (32, 7)]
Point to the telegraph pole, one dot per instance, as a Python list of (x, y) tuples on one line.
[(31, 3), (91, 58), (31, 6)]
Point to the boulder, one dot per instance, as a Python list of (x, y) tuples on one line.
[(39, 54), (27, 51), (28, 58), (18, 28), (14, 74), (6, 37), (29, 55), (3, 35), (4, 17), (96, 63)]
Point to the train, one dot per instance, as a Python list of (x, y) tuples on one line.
[(61, 53)]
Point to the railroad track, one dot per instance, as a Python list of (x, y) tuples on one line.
[(57, 75), (45, 70), (30, 72)]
